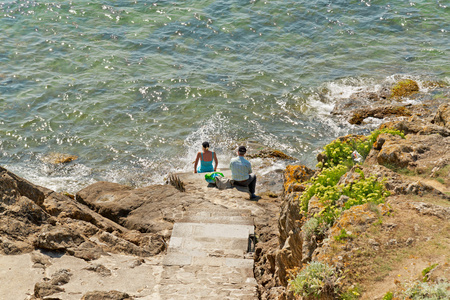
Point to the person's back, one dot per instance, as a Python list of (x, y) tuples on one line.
[(240, 168), (241, 172)]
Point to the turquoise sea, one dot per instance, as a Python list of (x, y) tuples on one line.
[(134, 87)]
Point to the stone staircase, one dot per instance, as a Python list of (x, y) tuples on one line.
[(210, 257)]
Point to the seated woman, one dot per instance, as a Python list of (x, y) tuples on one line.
[(206, 160)]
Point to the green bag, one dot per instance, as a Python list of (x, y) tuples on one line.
[(211, 177)]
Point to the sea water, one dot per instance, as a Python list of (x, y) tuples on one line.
[(134, 87)]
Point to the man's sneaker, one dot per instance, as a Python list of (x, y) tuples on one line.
[(253, 196)]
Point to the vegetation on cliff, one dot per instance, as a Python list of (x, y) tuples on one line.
[(340, 206)]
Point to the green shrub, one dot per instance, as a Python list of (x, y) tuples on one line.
[(316, 279), (310, 227), (323, 186), (388, 296), (426, 272), (343, 236), (340, 153), (365, 190), (424, 290), (352, 293)]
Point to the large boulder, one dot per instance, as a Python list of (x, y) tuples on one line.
[(150, 209)]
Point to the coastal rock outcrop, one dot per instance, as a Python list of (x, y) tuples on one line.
[(388, 103), (34, 217), (413, 170)]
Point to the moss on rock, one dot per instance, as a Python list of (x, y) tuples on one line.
[(404, 88)]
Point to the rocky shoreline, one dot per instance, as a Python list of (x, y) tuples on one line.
[(374, 249)]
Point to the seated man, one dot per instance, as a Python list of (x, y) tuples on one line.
[(241, 172)]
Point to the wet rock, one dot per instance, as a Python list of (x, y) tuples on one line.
[(59, 158), (404, 88), (381, 112), (271, 153)]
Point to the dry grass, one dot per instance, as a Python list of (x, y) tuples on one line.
[(397, 248)]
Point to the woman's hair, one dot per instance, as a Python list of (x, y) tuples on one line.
[(205, 145)]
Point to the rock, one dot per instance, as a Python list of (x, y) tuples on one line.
[(43, 289), (404, 88), (398, 184), (357, 218), (12, 187), (314, 206), (40, 260), (136, 209), (379, 112), (120, 245), (395, 153), (294, 176), (52, 286), (442, 116), (111, 295), (351, 176), (58, 158), (432, 209), (414, 151), (290, 239), (35, 217), (271, 153), (289, 257), (58, 238), (87, 251), (414, 125), (392, 242), (100, 269), (373, 243)]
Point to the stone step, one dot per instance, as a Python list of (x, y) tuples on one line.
[(212, 230), (209, 244), (184, 259), (238, 220)]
